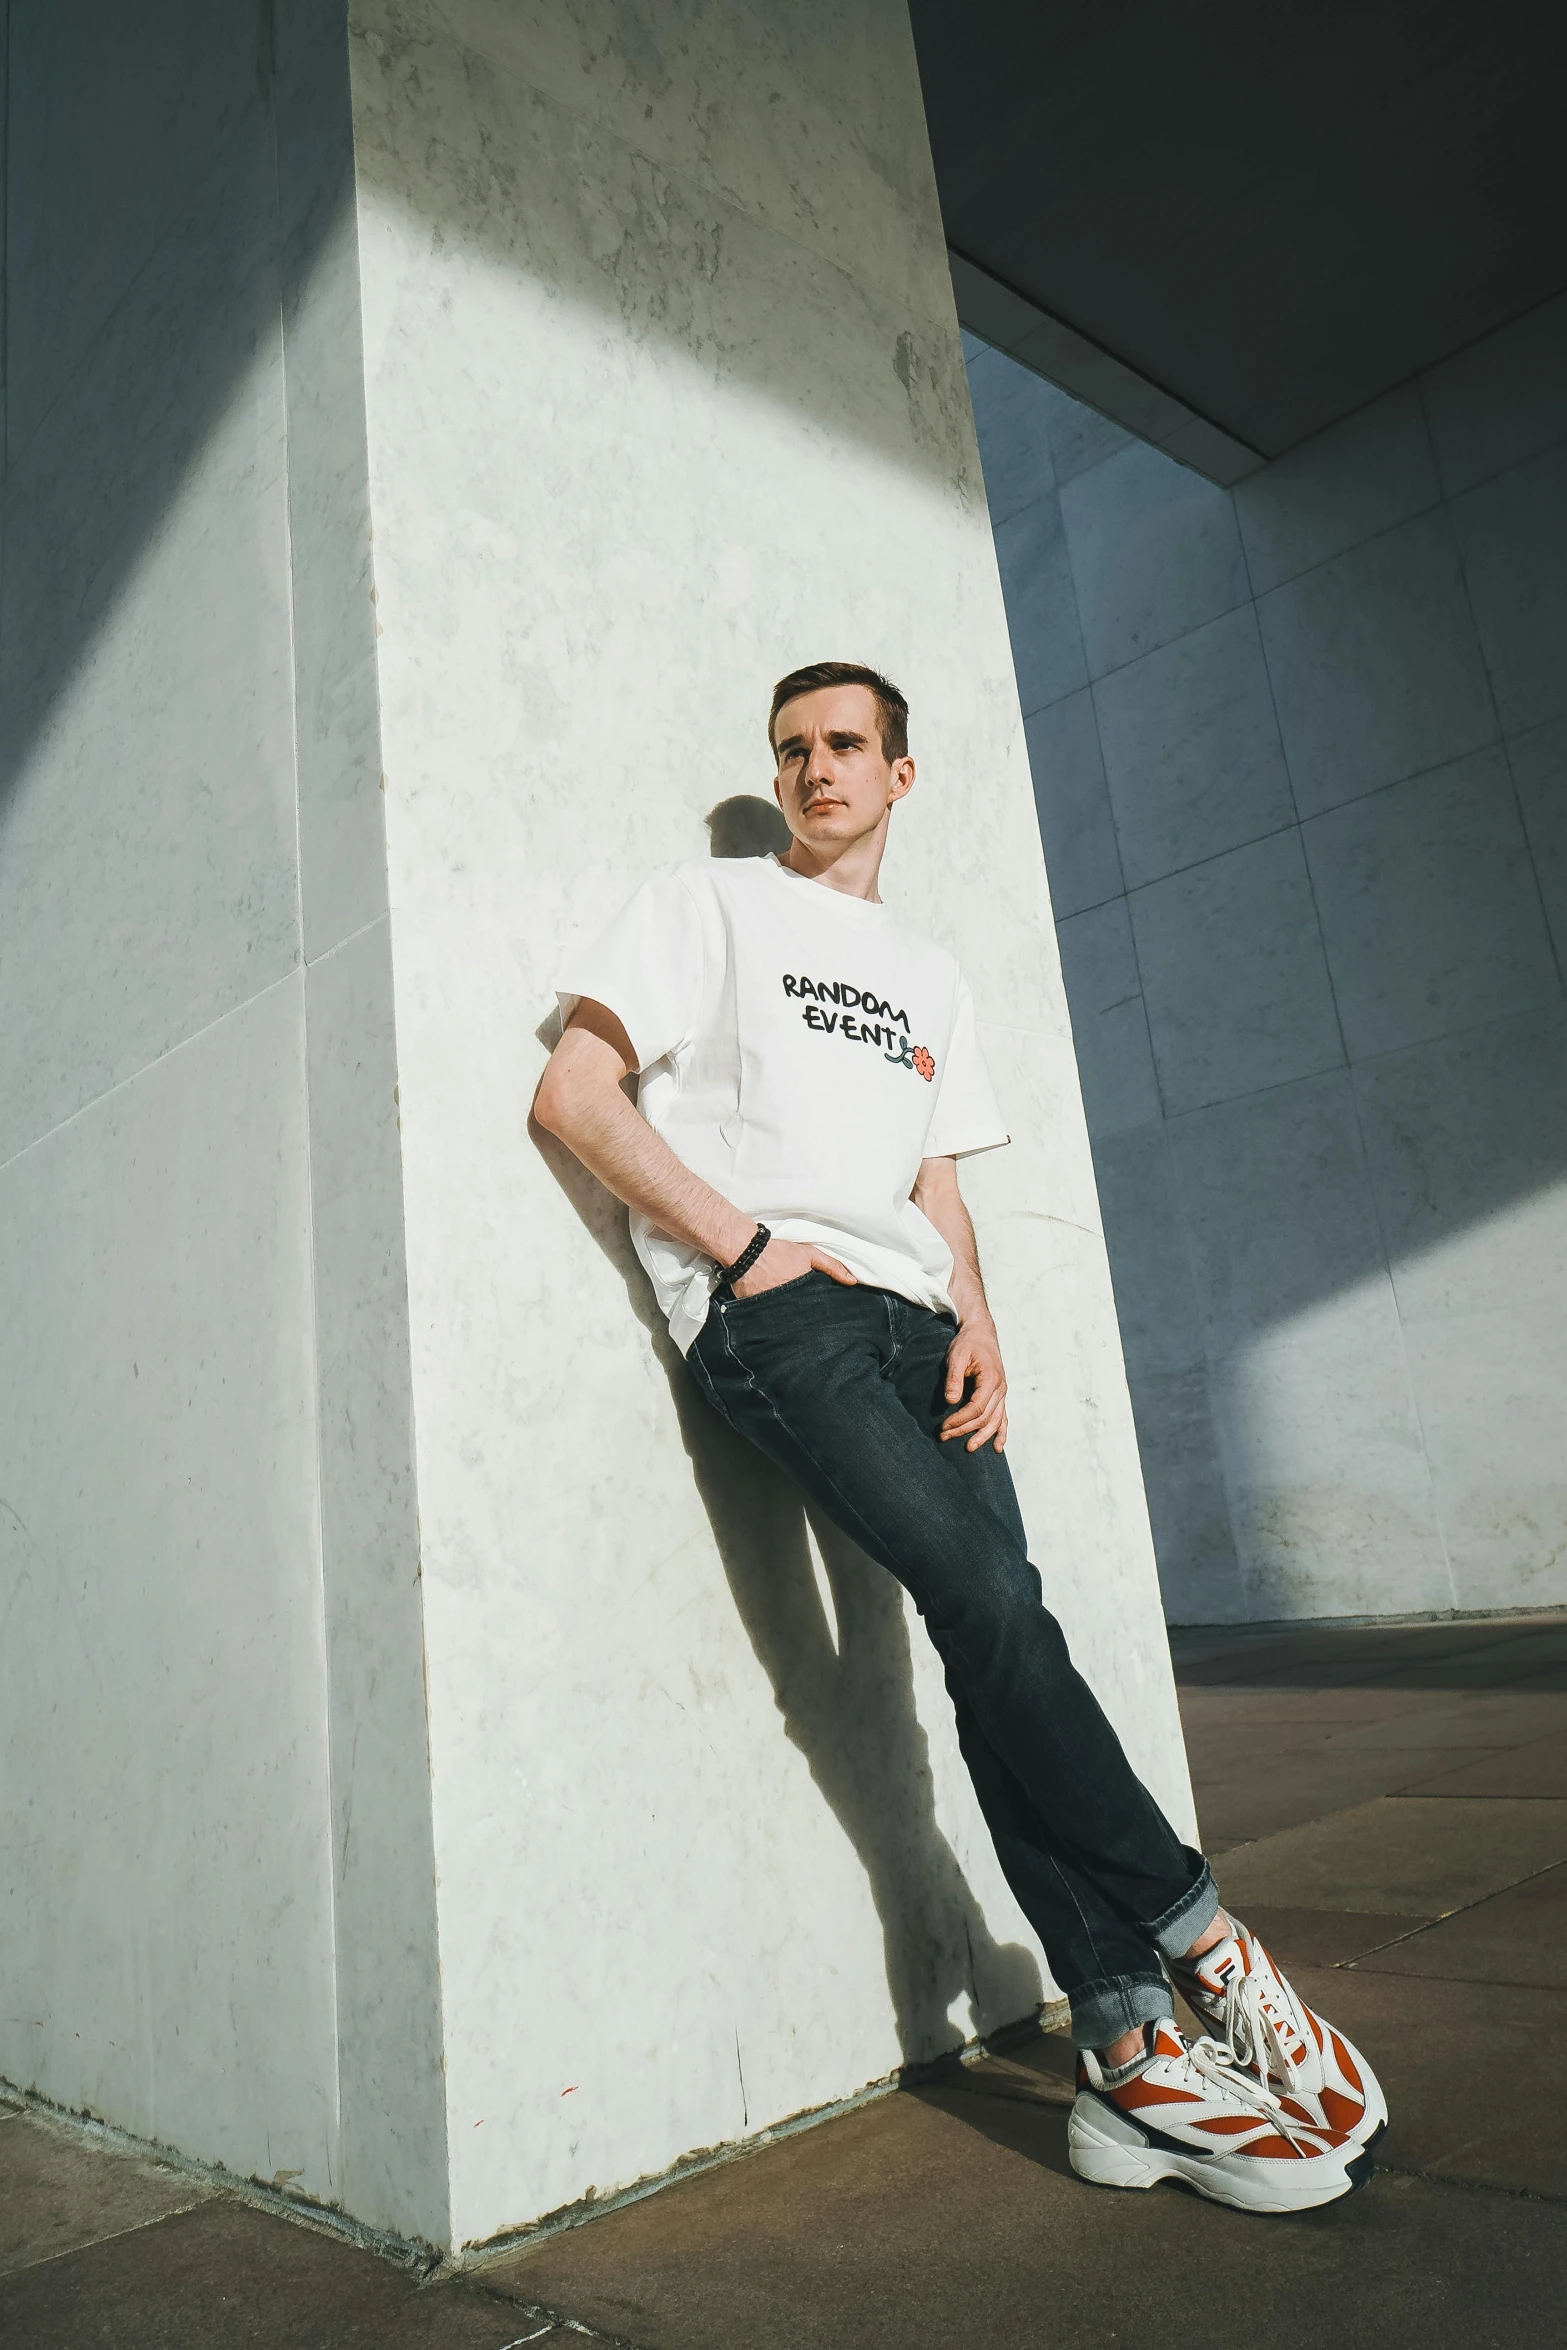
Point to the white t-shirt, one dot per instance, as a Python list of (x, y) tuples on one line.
[(802, 1053)]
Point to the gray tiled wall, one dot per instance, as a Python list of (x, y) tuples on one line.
[(1300, 755)]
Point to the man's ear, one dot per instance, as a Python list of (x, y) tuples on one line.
[(778, 789), (902, 778)]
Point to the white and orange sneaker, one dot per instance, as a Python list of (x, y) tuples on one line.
[(1189, 2112), (1256, 2013)]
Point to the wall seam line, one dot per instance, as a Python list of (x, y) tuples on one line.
[(1166, 1143), (443, 2091), (1300, 823), (1496, 707), (1246, 1580), (145, 1068), (1483, 481), (1438, 1515), (268, 73)]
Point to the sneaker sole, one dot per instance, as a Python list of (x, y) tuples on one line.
[(1104, 2160)]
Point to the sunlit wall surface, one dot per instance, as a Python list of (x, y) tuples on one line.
[(1300, 755), (665, 394), (445, 1774)]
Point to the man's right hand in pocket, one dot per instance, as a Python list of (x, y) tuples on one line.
[(788, 1260)]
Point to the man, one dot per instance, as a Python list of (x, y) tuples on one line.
[(809, 1077)]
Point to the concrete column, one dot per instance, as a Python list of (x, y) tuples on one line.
[(665, 394), (166, 1857), (446, 1775), (217, 1855), (393, 2170)]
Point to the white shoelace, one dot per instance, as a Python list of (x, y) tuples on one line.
[(1254, 2033), (1233, 2080)]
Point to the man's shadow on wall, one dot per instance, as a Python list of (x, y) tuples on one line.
[(844, 1684)]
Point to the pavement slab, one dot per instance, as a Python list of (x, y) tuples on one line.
[(948, 2219), (1325, 1656), (1475, 2073), (229, 2277), (1491, 1719), (59, 2190), (1415, 1855), (1518, 1937), (1403, 1852), (1478, 1674), (1322, 1937), (1302, 1781), (1227, 1710), (1539, 1769)]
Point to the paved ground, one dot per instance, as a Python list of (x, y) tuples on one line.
[(1391, 1808)]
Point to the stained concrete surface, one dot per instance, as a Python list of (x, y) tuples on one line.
[(1426, 1916), (1420, 1856), (57, 2194), (227, 2274)]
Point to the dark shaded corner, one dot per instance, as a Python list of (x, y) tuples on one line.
[(139, 302)]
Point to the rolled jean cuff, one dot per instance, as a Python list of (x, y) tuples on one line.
[(1102, 2011), (1173, 1934)]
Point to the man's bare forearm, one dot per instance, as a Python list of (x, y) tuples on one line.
[(580, 1100), (976, 1377), (939, 1200)]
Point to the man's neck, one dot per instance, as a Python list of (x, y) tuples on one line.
[(853, 870)]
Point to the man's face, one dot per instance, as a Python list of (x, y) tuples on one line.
[(834, 782)]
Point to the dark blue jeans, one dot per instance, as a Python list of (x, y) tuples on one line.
[(843, 1389)]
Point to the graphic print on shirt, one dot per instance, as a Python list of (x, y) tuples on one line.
[(851, 1020), (816, 1126)]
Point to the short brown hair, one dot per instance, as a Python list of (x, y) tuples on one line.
[(891, 708)]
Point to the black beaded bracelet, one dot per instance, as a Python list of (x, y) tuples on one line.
[(728, 1275)]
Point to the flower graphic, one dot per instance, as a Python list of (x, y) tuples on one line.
[(923, 1063)]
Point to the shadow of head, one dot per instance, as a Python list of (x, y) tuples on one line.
[(746, 826)]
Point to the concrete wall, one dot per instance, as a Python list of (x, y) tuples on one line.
[(665, 394), (220, 1929), (323, 1385), (1300, 755), (167, 1865)]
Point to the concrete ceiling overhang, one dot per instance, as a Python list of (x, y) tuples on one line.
[(1250, 219)]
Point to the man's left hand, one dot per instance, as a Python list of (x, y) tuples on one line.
[(974, 1364)]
